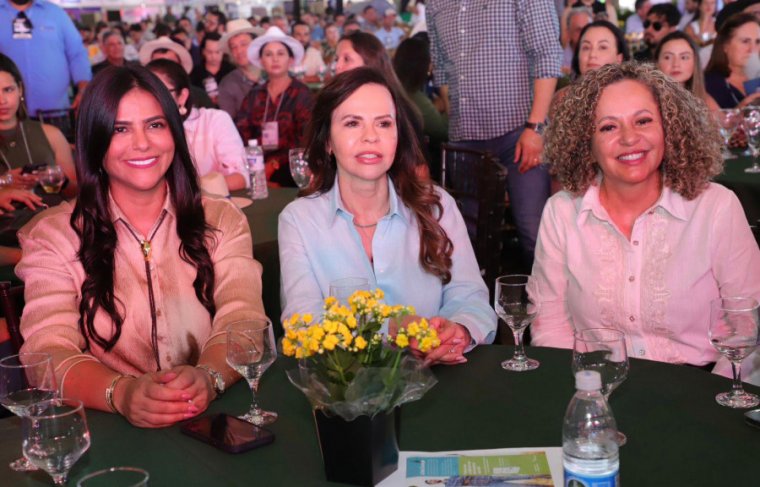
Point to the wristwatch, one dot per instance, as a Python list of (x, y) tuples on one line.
[(538, 128), (217, 379)]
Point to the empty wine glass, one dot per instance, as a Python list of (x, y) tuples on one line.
[(6, 179), (26, 378), (603, 350), (516, 301), (251, 350), (52, 179), (734, 324), (751, 122), (342, 289), (55, 436), (728, 121), (116, 477), (299, 168)]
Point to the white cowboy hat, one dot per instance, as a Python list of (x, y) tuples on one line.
[(274, 34), (146, 51), (235, 27)]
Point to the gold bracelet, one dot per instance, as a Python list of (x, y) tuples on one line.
[(109, 392)]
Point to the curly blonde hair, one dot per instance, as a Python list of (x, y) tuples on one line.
[(692, 155)]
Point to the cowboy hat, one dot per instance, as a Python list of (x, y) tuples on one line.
[(146, 51), (235, 27), (274, 34)]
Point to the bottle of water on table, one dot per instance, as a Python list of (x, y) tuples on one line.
[(589, 446), (254, 161)]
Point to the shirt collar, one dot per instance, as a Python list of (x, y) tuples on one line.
[(117, 214), (34, 4), (669, 201), (396, 205)]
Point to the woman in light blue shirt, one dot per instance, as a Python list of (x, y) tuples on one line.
[(380, 221)]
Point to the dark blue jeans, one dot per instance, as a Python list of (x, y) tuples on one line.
[(527, 192)]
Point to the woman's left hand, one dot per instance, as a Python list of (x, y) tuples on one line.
[(194, 382), (454, 337)]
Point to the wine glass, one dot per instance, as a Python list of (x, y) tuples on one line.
[(6, 179), (299, 168), (55, 436), (603, 350), (51, 179), (751, 122), (734, 324), (116, 477), (251, 350), (342, 289), (728, 121), (26, 378), (516, 301)]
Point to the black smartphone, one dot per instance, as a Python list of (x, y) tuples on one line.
[(753, 417), (32, 168), (227, 433)]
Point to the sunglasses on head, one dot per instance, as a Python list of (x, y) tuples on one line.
[(655, 25)]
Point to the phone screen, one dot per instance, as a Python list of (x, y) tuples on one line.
[(228, 433), (753, 417)]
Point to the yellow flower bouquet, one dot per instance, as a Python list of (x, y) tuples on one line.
[(347, 367)]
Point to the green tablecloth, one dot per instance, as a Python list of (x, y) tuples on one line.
[(745, 185), (677, 434)]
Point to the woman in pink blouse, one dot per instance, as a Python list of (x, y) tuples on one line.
[(131, 288), (641, 241)]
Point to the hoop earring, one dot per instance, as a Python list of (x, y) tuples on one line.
[(182, 110)]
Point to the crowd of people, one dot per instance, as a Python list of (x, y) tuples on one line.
[(637, 239)]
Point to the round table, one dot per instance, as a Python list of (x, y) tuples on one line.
[(677, 434)]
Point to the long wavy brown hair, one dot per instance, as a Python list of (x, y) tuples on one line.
[(416, 193), (692, 142), (91, 219)]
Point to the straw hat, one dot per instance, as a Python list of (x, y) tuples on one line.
[(235, 27), (146, 51), (274, 34)]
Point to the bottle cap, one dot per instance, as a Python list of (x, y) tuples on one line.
[(253, 142), (588, 380)]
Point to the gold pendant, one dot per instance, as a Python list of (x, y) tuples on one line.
[(146, 248)]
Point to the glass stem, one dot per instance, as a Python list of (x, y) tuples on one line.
[(254, 385), (519, 348), (737, 389)]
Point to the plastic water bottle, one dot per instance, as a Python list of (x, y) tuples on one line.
[(254, 160), (589, 446)]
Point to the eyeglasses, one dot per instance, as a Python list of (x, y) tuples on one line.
[(655, 25)]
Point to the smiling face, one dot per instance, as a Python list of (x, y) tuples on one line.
[(677, 60), (275, 59), (347, 58), (628, 141), (141, 149), (598, 47), (743, 44), (363, 134), (10, 99)]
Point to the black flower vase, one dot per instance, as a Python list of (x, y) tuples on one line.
[(360, 452)]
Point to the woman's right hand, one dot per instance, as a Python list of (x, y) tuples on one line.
[(9, 195), (749, 100), (146, 402), (24, 181)]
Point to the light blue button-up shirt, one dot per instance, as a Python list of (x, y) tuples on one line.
[(319, 244), (50, 60)]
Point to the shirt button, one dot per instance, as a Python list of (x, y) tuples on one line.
[(632, 318), (631, 279), (641, 352), (158, 312), (636, 243), (462, 54), (168, 358), (464, 8), (461, 31)]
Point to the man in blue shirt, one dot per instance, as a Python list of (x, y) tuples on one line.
[(46, 46), (388, 33)]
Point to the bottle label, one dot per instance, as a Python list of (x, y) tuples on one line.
[(580, 480)]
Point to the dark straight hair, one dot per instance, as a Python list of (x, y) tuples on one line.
[(178, 77), (91, 218), (719, 59), (620, 43), (417, 193)]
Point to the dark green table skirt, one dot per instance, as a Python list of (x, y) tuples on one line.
[(677, 434), (745, 185)]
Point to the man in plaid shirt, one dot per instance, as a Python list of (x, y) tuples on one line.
[(499, 62)]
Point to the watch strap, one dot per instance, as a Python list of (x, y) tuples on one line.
[(217, 379)]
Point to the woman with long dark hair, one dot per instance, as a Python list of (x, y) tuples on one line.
[(368, 214), (359, 49), (131, 288)]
